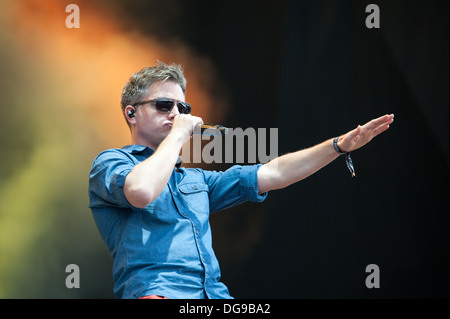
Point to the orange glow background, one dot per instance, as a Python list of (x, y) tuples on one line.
[(60, 103)]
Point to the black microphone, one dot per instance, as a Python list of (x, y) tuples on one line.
[(211, 130)]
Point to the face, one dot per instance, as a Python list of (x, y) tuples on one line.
[(152, 126)]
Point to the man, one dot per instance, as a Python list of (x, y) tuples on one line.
[(153, 214)]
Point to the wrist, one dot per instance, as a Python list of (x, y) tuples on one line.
[(348, 159), (337, 148)]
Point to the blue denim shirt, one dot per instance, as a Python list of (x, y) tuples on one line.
[(165, 248)]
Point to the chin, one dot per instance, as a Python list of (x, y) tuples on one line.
[(162, 136)]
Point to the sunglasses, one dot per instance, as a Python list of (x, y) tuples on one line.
[(166, 105)]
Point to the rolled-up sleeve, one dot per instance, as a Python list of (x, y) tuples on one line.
[(234, 186), (107, 178), (248, 179)]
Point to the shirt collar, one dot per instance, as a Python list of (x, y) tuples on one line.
[(138, 149)]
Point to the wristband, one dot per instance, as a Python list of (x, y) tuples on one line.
[(336, 147), (349, 162), (348, 159)]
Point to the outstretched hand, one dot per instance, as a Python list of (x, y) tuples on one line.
[(362, 135)]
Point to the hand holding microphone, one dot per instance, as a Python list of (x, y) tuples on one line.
[(191, 125)]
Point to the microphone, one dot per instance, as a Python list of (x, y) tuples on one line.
[(211, 130)]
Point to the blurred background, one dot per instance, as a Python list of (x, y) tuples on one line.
[(312, 69)]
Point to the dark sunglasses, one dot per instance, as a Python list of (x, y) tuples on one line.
[(165, 105)]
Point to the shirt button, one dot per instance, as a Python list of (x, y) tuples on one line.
[(196, 232), (195, 187)]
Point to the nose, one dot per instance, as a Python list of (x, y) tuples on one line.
[(174, 112)]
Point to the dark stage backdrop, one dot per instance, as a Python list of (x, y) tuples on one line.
[(313, 70)]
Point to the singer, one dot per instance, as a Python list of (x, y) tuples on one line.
[(153, 214)]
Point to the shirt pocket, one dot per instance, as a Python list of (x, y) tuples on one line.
[(196, 196)]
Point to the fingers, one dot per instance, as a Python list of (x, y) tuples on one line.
[(381, 124), (382, 120), (195, 120), (380, 129), (187, 121), (362, 135)]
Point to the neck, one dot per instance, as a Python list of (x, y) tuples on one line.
[(139, 140)]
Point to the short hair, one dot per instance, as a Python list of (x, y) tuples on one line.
[(139, 83)]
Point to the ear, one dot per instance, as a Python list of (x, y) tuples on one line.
[(130, 114)]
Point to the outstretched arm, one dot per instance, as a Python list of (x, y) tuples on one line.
[(290, 168)]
